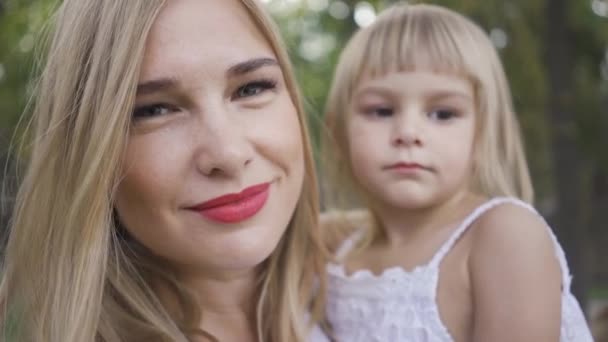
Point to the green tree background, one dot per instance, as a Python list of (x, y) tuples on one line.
[(555, 53)]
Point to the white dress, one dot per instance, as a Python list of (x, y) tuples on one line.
[(401, 306), (317, 335)]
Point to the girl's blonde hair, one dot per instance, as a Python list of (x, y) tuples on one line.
[(410, 37), (71, 274)]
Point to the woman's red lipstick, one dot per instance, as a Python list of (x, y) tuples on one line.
[(236, 207)]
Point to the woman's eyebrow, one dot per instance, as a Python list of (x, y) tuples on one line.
[(156, 85), (165, 84), (250, 65)]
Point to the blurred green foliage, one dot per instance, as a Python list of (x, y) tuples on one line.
[(20, 25)]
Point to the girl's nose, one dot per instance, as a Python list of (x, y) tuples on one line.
[(407, 129)]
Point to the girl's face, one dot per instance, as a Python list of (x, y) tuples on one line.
[(214, 164), (411, 137)]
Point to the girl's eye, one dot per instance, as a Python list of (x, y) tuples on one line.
[(151, 111), (442, 114), (254, 88), (380, 111)]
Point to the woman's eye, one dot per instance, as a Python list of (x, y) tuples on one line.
[(442, 114), (150, 111), (254, 88)]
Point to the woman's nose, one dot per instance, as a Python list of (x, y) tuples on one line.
[(223, 148)]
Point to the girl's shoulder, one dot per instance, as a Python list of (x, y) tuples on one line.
[(505, 217), (516, 262), (511, 229), (501, 228), (516, 271), (339, 225)]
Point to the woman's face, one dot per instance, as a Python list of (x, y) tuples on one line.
[(214, 164)]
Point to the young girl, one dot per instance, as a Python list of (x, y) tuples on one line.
[(421, 116)]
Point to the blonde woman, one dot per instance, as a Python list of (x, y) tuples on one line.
[(420, 113), (170, 191)]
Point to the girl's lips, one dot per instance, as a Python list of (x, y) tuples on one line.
[(405, 166), (406, 169), (236, 207)]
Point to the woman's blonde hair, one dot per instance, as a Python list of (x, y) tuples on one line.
[(71, 274), (409, 37)]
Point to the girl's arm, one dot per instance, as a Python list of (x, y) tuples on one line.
[(516, 278)]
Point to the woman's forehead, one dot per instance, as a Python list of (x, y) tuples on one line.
[(191, 32)]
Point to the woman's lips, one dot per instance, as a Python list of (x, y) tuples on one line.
[(236, 207)]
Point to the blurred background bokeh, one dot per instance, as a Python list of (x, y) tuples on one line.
[(555, 54)]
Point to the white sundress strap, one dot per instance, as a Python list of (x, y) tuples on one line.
[(348, 244), (462, 228), (559, 252), (467, 222)]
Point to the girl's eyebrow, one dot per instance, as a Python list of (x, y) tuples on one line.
[(250, 66), (449, 93), (432, 94), (373, 90)]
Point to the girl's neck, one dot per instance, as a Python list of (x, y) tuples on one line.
[(404, 225)]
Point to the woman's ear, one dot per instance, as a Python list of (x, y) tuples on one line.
[(121, 232)]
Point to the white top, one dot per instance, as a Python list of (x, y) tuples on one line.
[(317, 335), (401, 306)]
